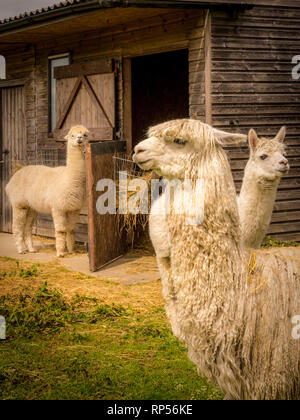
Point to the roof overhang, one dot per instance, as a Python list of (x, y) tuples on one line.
[(27, 29), (77, 8)]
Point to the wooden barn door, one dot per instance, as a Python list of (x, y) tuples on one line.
[(13, 143), (105, 243), (85, 94)]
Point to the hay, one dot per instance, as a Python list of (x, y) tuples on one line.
[(131, 224)]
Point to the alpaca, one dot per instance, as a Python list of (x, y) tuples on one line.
[(266, 166), (234, 308), (58, 191)]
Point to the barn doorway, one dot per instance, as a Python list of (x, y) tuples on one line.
[(160, 90)]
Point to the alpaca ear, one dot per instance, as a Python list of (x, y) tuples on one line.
[(281, 135), (253, 140), (225, 138)]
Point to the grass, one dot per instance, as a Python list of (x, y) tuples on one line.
[(270, 242), (117, 345)]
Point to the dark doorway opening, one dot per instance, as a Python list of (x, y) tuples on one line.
[(160, 90)]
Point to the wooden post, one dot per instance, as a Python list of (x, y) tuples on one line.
[(208, 101), (127, 106)]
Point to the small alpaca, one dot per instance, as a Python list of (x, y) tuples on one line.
[(59, 191), (235, 309), (266, 166)]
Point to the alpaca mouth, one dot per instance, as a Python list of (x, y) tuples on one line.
[(284, 171), (140, 163)]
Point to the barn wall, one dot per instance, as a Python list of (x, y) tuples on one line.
[(177, 30), (252, 86)]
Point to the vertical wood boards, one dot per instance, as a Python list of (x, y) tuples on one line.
[(86, 96), (13, 136)]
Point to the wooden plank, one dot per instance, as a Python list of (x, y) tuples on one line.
[(127, 104), (105, 243), (207, 71), (86, 68), (68, 105), (96, 100), (12, 83)]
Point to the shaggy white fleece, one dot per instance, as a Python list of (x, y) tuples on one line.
[(233, 308), (58, 191)]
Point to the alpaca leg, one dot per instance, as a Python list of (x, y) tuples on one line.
[(60, 225), (70, 242), (72, 218), (19, 224), (164, 267), (31, 218)]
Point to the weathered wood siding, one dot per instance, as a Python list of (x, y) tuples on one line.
[(252, 86), (13, 141)]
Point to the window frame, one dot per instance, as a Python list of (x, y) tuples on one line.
[(49, 78)]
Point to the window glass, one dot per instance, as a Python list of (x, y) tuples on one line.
[(2, 67), (55, 62)]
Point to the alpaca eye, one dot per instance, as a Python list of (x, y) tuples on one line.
[(179, 141), (263, 157)]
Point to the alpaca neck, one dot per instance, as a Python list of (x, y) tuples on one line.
[(256, 202), (214, 245), (76, 163)]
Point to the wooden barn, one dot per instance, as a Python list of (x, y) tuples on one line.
[(119, 66)]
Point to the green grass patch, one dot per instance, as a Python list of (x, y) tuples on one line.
[(83, 349), (270, 242)]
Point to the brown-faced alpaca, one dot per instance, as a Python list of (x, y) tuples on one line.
[(233, 308), (58, 191), (266, 166)]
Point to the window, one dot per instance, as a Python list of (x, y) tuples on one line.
[(2, 67), (55, 61)]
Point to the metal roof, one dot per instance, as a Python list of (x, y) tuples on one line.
[(36, 12)]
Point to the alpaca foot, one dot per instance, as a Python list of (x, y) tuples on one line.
[(21, 249), (60, 254), (32, 250)]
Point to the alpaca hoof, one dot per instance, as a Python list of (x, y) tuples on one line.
[(22, 251), (60, 255), (33, 251)]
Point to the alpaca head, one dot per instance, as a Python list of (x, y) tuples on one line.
[(173, 146), (77, 137), (267, 156)]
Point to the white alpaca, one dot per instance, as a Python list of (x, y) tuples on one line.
[(58, 191), (235, 309), (266, 166)]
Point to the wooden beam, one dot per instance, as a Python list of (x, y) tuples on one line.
[(12, 83), (127, 104), (86, 68)]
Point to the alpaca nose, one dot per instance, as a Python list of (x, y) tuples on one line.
[(284, 162), (79, 140), (138, 149)]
